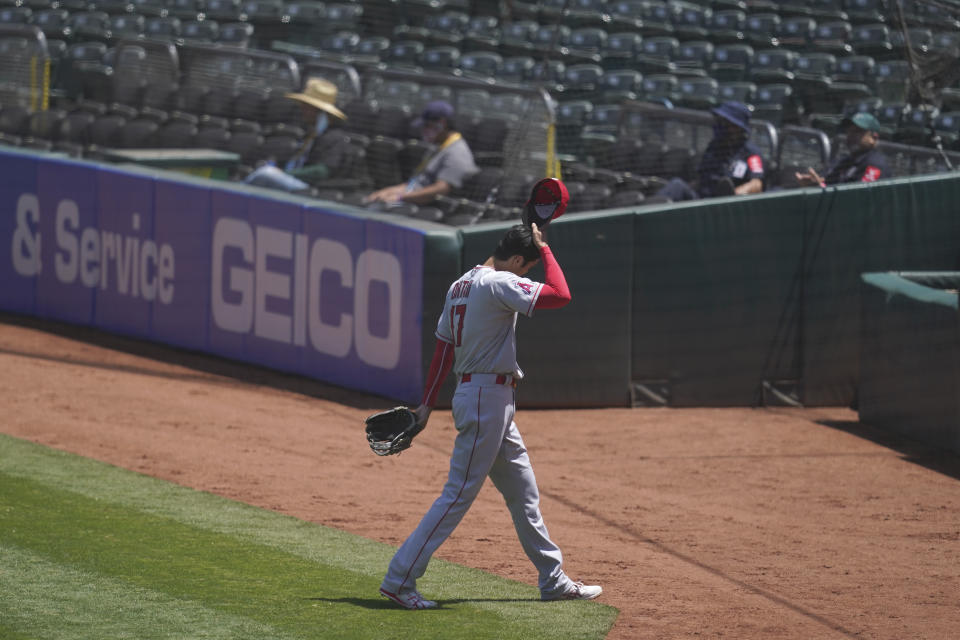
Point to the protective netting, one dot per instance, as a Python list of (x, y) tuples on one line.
[(549, 87), (24, 67)]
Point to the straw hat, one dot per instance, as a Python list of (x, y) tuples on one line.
[(320, 94)]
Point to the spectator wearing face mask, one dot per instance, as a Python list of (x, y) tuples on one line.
[(863, 162), (443, 169), (730, 165), (317, 103)]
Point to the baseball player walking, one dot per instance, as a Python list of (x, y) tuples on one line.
[(476, 337)]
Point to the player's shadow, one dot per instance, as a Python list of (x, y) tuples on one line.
[(919, 453), (383, 603)]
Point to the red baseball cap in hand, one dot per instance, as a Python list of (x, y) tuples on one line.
[(548, 200)]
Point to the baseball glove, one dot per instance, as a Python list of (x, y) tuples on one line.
[(392, 431)]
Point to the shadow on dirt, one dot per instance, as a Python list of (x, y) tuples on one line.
[(936, 459)]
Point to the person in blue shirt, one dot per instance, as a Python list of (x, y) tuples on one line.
[(317, 102), (730, 164)]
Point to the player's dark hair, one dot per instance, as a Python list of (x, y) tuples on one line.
[(518, 241)]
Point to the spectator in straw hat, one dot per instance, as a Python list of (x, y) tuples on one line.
[(863, 162), (730, 165), (318, 105), (444, 169)]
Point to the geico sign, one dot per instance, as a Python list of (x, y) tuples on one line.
[(251, 281)]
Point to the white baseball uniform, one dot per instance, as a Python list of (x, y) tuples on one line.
[(479, 321)]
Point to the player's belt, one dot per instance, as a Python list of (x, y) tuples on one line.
[(489, 378)]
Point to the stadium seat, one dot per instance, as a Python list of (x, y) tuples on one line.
[(627, 15), (603, 118), (516, 69), (947, 125), (236, 34), (593, 197), (697, 93), (304, 19), (621, 48), (581, 81), (516, 38), (737, 91), (549, 71), (126, 25), (727, 26), (279, 147), (625, 198), (813, 76), (139, 133), (405, 53), (247, 145), (447, 28), (571, 116), (872, 40), (692, 21), (481, 33), (657, 17), (920, 40), (833, 37), (588, 40), (656, 55), (482, 184), (731, 62), (772, 65), (762, 29), (16, 15), (88, 26), (472, 102), (105, 131), (916, 126), (45, 125), (777, 104), (797, 33), (166, 27), (177, 134), (826, 10), (481, 64), (693, 58), (801, 148), (442, 58), (865, 11), (891, 80), (890, 115), (53, 23), (662, 88), (222, 10), (620, 84), (200, 31)]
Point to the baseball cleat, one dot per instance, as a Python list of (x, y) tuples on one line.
[(409, 599), (577, 591)]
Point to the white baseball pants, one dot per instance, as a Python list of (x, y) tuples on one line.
[(487, 443)]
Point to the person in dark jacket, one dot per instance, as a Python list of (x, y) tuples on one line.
[(864, 162), (730, 164)]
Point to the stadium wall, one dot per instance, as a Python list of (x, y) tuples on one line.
[(727, 302), (910, 355)]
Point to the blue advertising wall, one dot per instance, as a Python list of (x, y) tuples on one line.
[(273, 281)]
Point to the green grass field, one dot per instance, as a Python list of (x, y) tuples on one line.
[(88, 550)]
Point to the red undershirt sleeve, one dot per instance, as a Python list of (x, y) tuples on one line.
[(555, 292), (440, 367)]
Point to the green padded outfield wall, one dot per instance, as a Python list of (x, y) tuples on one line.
[(715, 300), (910, 356), (900, 225), (577, 356), (734, 294)]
